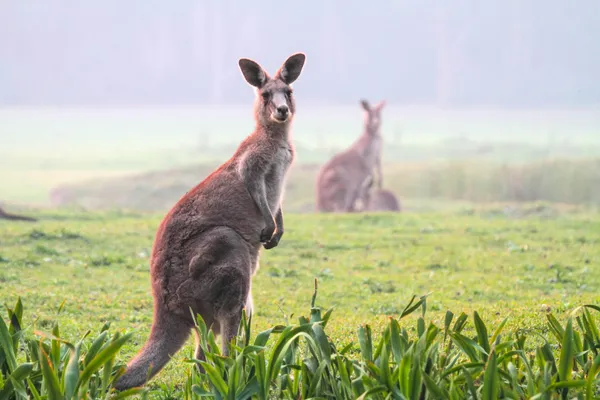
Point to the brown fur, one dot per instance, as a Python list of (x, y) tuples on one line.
[(381, 200), (344, 179), (15, 217), (207, 246)]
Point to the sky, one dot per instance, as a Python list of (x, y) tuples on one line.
[(509, 53)]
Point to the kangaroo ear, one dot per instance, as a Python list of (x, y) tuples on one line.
[(291, 68), (254, 74), (380, 105), (365, 104)]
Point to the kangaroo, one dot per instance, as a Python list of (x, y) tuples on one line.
[(381, 200), (207, 246), (346, 177), (15, 217)]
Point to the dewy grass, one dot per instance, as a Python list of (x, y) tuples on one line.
[(511, 269), (412, 359)]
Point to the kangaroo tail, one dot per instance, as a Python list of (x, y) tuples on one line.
[(169, 332)]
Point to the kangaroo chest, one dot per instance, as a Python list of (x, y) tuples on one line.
[(275, 177), (372, 151)]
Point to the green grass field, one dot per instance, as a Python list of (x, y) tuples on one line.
[(368, 267), (460, 240)]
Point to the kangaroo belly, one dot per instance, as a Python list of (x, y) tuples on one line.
[(218, 261)]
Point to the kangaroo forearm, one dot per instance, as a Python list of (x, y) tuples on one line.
[(279, 219), (259, 195)]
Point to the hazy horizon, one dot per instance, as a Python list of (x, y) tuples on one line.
[(510, 54)]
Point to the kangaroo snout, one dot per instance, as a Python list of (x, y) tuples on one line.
[(283, 110), (281, 113)]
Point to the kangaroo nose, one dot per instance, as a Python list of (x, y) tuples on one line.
[(283, 110)]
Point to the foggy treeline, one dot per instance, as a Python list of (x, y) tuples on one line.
[(447, 52)]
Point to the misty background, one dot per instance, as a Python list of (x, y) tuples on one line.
[(486, 100), (513, 53)]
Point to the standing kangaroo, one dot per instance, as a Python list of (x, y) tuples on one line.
[(206, 248), (346, 178)]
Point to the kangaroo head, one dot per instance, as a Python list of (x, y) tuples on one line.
[(274, 97), (372, 116)]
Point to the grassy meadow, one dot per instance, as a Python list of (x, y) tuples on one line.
[(368, 267), (474, 237)]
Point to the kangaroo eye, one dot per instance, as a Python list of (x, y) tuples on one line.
[(266, 95)]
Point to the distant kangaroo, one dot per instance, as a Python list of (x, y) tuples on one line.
[(15, 217), (207, 246), (345, 178), (381, 200)]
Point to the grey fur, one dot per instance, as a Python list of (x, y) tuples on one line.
[(207, 246), (344, 180)]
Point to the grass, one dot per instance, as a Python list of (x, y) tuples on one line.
[(368, 266), (300, 361)]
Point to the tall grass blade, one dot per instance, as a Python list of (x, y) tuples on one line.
[(95, 347), (491, 379), (72, 372), (365, 342), (108, 352), (50, 377), (6, 345), (482, 334), (215, 378), (567, 353)]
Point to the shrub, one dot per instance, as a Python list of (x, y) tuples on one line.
[(463, 359)]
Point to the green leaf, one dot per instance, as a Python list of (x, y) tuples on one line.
[(567, 353), (129, 393), (198, 391), (72, 372), (434, 390), (447, 322), (108, 352), (482, 334), (215, 378), (96, 345), (568, 384), (13, 381), (261, 375), (50, 377), (591, 378), (251, 388), (374, 390), (469, 381), (491, 380), (365, 342), (498, 330), (395, 340), (55, 343), (468, 346), (6, 344), (33, 390), (555, 327), (323, 342), (460, 323)]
